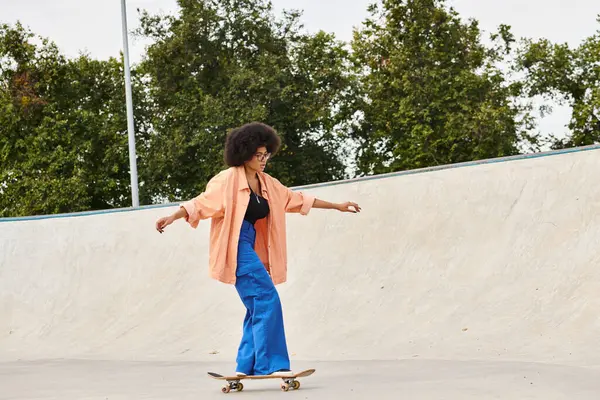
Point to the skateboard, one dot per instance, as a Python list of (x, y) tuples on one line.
[(233, 382)]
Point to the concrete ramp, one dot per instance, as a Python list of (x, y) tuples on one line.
[(486, 262)]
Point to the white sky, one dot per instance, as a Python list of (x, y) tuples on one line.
[(94, 26)]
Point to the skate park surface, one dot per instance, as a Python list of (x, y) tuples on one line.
[(472, 281)]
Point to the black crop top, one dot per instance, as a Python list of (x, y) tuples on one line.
[(258, 208)]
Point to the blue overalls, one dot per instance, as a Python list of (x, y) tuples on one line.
[(263, 349)]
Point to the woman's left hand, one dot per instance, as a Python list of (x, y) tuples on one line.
[(346, 207)]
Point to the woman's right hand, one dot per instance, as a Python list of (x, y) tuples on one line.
[(162, 223)]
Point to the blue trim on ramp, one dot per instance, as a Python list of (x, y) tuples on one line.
[(326, 184), (457, 165)]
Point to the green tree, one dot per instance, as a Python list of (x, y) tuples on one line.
[(568, 76), (430, 92), (221, 63), (63, 131)]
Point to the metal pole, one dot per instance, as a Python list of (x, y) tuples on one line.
[(130, 127)]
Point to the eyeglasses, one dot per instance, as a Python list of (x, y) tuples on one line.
[(262, 156)]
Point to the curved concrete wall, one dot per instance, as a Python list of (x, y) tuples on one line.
[(492, 261)]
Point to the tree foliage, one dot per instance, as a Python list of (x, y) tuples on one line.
[(63, 130), (416, 87), (431, 92), (220, 64), (567, 75)]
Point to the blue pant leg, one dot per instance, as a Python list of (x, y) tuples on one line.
[(263, 349), (246, 352), (271, 353), (247, 261)]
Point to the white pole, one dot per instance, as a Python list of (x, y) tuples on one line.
[(130, 127)]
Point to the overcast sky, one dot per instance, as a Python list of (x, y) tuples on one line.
[(94, 26)]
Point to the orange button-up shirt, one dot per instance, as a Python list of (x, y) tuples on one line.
[(225, 201)]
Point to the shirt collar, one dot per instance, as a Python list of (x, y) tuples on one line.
[(244, 182)]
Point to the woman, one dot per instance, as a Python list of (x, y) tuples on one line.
[(247, 208)]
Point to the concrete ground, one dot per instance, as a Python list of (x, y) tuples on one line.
[(469, 282), (410, 379)]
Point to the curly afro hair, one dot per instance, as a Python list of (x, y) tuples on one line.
[(241, 143)]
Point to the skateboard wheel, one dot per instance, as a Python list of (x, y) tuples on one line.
[(225, 389), (285, 387), (296, 385), (240, 387)]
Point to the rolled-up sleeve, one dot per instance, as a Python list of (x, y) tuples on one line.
[(295, 202), (299, 202), (207, 204)]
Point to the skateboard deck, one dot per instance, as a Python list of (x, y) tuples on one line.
[(233, 382)]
